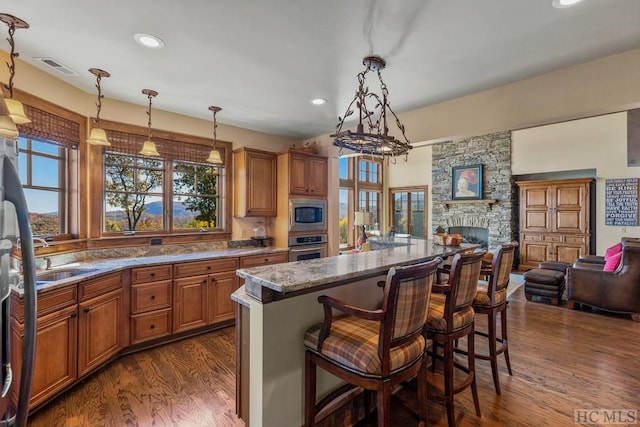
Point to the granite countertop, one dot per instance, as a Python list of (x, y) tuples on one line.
[(305, 275), (102, 267)]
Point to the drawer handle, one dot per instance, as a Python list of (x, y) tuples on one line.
[(74, 315), (153, 274), (86, 310), (208, 267), (204, 282), (153, 326), (153, 297)]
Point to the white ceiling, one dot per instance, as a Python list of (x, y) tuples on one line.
[(263, 60)]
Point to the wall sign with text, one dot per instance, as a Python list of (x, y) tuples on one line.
[(621, 207)]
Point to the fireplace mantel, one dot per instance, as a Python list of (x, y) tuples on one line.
[(488, 202)]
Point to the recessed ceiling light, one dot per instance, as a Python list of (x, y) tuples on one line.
[(318, 101), (148, 40), (559, 4)]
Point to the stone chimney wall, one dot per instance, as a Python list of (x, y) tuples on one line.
[(493, 151)]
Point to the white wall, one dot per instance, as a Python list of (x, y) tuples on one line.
[(594, 143)]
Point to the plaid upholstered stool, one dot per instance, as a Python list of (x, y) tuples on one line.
[(374, 349), (451, 317)]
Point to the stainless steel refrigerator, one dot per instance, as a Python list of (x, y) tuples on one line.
[(15, 229)]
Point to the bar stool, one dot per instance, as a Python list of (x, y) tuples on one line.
[(374, 349), (450, 318), (491, 299)]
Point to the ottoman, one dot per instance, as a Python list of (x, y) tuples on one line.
[(545, 282)]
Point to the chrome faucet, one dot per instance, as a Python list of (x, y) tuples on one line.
[(41, 240)]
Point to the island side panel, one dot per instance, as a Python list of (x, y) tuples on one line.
[(277, 351)]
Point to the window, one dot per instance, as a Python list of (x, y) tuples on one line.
[(133, 193), (408, 210), (195, 196), (42, 170), (178, 192), (48, 167), (367, 186)]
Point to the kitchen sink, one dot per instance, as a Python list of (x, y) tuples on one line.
[(60, 274)]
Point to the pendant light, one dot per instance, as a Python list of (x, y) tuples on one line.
[(8, 129), (98, 136), (214, 156), (15, 107), (374, 114), (149, 147)]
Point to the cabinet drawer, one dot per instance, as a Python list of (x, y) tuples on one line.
[(532, 237), (574, 239), (553, 238), (49, 301), (257, 260), (150, 325), (99, 286), (150, 296), (150, 274), (204, 267)]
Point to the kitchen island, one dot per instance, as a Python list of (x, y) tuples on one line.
[(278, 304)]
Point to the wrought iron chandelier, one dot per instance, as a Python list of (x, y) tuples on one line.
[(374, 110)]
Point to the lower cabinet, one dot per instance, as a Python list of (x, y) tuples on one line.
[(151, 302), (536, 248), (202, 293), (99, 330)]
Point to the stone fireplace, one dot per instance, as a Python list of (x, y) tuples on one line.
[(479, 235), (494, 217)]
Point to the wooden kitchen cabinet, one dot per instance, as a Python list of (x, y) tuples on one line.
[(56, 342), (100, 321), (306, 174), (555, 223), (151, 302), (202, 293), (260, 260), (254, 187)]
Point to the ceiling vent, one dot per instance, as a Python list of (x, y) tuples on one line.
[(62, 69)]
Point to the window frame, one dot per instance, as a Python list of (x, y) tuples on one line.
[(412, 189), (97, 230)]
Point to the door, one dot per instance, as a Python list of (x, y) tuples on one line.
[(220, 288), (408, 210)]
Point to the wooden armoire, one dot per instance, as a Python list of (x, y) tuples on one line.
[(555, 223)]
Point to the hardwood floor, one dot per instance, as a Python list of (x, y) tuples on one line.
[(562, 360)]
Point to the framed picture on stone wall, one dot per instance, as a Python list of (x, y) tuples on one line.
[(466, 182)]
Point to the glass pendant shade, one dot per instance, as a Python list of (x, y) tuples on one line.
[(214, 157), (16, 111), (98, 137), (149, 149), (8, 129)]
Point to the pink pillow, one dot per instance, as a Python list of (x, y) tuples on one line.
[(613, 262), (615, 249)]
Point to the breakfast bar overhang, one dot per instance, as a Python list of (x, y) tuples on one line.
[(278, 303)]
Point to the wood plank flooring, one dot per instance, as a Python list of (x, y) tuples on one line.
[(562, 360)]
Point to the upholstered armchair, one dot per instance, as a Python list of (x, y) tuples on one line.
[(617, 291)]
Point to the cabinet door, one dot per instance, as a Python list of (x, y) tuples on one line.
[(261, 184), (100, 330), (221, 286), (568, 252), (298, 175), (570, 210), (55, 358), (190, 302), (317, 176), (535, 209), (534, 252)]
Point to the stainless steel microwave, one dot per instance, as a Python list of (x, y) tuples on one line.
[(307, 215)]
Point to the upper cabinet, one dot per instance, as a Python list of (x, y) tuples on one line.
[(307, 173), (254, 186)]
